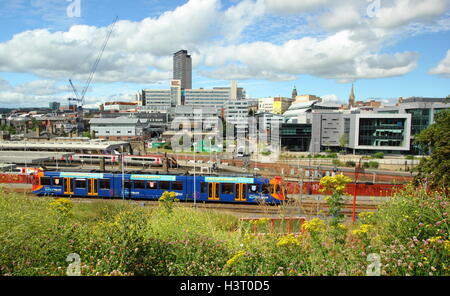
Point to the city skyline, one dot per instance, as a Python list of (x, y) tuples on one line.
[(321, 47)]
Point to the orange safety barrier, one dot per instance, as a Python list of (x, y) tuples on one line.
[(272, 223), (361, 189), (16, 178)]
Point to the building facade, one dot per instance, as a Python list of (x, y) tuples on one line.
[(182, 68), (120, 128), (369, 132)]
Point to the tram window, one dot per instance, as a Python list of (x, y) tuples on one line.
[(45, 181), (57, 182), (80, 183), (267, 188), (139, 184), (164, 185), (278, 189), (152, 185), (253, 188), (127, 184), (227, 188), (203, 187), (105, 184), (177, 185)]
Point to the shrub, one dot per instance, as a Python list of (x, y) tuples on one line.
[(337, 162), (350, 163), (373, 164), (378, 155)]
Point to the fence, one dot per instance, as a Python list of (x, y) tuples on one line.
[(16, 178), (361, 189)]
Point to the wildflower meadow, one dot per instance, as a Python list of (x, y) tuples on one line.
[(409, 234)]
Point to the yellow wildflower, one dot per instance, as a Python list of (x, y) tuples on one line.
[(314, 225), (363, 229), (236, 256), (288, 240)]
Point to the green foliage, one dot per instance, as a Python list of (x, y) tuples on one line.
[(436, 137), (343, 141), (350, 163), (409, 231), (337, 162), (378, 155), (371, 165), (410, 157)]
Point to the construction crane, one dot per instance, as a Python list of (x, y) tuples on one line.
[(79, 98)]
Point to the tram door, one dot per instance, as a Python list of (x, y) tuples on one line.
[(240, 192), (93, 187), (68, 186), (213, 191)]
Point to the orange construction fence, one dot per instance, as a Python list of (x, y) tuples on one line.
[(16, 178)]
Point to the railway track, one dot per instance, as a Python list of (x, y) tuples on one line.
[(308, 207)]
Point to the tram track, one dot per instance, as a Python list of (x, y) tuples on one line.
[(308, 207)]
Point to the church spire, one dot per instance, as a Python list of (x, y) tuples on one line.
[(351, 98), (294, 93)]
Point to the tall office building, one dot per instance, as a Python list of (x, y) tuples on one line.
[(182, 68)]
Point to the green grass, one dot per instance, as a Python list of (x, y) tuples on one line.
[(120, 238)]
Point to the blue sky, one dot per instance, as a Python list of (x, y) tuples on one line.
[(268, 46)]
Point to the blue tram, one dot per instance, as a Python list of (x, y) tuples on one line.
[(144, 186)]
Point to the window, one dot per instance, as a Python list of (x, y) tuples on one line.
[(253, 188), (45, 181), (152, 185), (267, 188), (227, 188), (177, 185), (57, 182), (127, 184), (80, 183), (203, 187), (105, 184), (164, 185), (139, 184)]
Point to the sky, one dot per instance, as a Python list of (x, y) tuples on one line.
[(387, 48)]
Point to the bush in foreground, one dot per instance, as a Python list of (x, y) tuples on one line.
[(409, 233)]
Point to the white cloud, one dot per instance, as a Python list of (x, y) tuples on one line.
[(341, 17), (295, 6), (403, 12), (443, 68), (141, 51), (330, 98)]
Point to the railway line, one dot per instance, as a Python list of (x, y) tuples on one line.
[(307, 207)]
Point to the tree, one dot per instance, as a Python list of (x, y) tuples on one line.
[(436, 138), (343, 141)]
